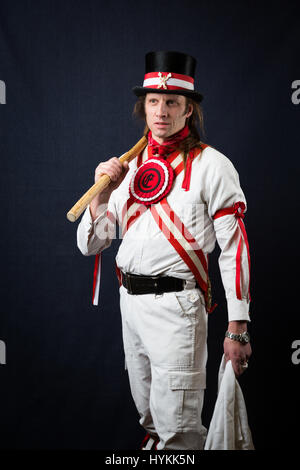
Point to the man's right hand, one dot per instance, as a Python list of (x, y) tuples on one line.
[(117, 172)]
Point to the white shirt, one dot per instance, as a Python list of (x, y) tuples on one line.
[(145, 250)]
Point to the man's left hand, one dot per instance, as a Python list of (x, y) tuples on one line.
[(238, 353), (235, 351)]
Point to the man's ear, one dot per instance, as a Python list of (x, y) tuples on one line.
[(190, 110)]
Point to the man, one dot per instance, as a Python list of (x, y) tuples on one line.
[(173, 202)]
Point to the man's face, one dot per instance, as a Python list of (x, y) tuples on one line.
[(165, 114)]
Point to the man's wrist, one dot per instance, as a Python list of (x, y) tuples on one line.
[(237, 326), (97, 205), (243, 338)]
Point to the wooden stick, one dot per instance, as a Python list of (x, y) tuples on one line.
[(103, 182)]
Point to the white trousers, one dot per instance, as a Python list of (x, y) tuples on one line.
[(165, 343)]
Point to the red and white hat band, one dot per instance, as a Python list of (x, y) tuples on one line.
[(168, 81)]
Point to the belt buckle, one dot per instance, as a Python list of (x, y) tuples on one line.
[(156, 286)]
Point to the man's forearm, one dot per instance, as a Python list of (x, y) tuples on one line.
[(238, 326), (97, 202)]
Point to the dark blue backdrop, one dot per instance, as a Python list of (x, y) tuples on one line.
[(69, 68)]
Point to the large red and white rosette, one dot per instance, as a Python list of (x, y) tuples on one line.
[(152, 181)]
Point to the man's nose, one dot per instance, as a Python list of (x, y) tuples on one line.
[(161, 109)]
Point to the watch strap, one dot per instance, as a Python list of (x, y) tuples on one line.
[(242, 337)]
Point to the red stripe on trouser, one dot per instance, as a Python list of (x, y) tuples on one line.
[(145, 440)]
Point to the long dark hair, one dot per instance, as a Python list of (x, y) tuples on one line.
[(195, 123)]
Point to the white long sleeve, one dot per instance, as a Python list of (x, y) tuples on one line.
[(223, 190)]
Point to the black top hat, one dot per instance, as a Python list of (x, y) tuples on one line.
[(169, 72)]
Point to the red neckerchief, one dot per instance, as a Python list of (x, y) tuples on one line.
[(169, 145)]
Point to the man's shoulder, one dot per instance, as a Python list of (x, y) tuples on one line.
[(210, 156)]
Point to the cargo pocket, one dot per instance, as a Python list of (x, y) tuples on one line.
[(189, 301), (186, 393)]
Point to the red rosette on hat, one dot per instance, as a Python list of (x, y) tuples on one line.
[(152, 181)]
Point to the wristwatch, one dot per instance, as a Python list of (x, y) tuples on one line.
[(243, 338)]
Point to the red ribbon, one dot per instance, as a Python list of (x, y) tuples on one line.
[(97, 267), (238, 210), (169, 145), (119, 274), (188, 171), (188, 167)]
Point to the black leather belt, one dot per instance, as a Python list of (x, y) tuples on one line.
[(138, 284)]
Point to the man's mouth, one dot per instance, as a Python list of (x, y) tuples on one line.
[(161, 124)]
